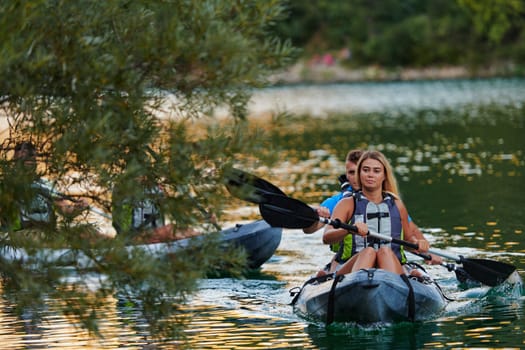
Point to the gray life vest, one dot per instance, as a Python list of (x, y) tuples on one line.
[(383, 218), (40, 208), (146, 213)]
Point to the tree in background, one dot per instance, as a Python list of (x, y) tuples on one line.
[(108, 91), (496, 19), (501, 23), (410, 33)]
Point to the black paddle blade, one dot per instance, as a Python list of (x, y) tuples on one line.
[(287, 212), (249, 187), (489, 272)]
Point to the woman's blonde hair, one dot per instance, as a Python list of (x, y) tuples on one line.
[(390, 183)]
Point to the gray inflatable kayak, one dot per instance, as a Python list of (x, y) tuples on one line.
[(369, 296), (257, 238)]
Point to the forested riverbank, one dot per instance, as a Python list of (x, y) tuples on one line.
[(355, 40), (318, 72)]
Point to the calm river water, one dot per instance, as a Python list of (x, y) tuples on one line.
[(458, 151)]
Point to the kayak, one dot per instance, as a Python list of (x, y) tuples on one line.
[(369, 296), (257, 238)]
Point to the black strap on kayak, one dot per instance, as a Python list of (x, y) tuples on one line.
[(411, 302), (429, 280), (331, 299), (296, 291), (441, 291)]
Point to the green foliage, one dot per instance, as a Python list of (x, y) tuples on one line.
[(409, 33), (498, 20), (108, 92)]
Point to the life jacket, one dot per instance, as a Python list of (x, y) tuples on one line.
[(146, 214), (129, 215), (383, 218), (335, 247), (38, 210), (35, 207)]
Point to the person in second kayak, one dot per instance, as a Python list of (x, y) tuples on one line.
[(36, 202), (132, 215), (138, 216), (378, 208)]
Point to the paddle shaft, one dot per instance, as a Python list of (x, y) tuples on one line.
[(450, 267), (339, 224), (72, 199), (109, 217), (487, 272)]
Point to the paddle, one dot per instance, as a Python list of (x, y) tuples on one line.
[(282, 211), (247, 186), (461, 275), (288, 212), (251, 188), (70, 198), (105, 215), (277, 209)]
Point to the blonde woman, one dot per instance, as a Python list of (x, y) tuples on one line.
[(376, 208)]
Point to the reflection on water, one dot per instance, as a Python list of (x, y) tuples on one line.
[(57, 331), (219, 328), (460, 165), (254, 313)]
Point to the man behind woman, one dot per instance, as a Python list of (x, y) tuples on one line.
[(348, 186)]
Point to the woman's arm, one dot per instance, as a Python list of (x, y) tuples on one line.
[(342, 211)]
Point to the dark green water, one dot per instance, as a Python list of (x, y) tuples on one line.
[(461, 171), (458, 152)]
